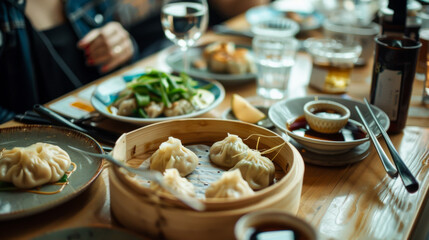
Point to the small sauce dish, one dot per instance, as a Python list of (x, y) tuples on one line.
[(326, 116), (273, 224)]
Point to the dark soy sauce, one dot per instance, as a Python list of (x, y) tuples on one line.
[(327, 113), (275, 232), (349, 132)]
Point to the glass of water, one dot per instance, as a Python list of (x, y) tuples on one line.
[(274, 57), (184, 22)]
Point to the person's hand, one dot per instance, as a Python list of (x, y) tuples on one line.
[(108, 46)]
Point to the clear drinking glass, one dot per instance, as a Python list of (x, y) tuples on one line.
[(274, 48), (274, 59), (184, 22), (333, 63)]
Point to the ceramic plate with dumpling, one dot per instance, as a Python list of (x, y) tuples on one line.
[(34, 166), (90, 233), (220, 65), (35, 159)]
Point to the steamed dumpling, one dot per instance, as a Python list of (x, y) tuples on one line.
[(229, 151), (172, 154), (173, 179), (230, 185), (154, 109), (241, 62), (256, 169), (32, 166), (180, 107)]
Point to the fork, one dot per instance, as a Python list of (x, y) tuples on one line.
[(407, 177), (149, 175)]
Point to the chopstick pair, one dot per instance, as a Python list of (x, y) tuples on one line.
[(56, 119), (407, 177)]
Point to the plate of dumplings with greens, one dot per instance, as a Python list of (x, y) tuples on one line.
[(154, 96)]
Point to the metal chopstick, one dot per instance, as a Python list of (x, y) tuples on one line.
[(388, 166), (55, 118), (407, 177)]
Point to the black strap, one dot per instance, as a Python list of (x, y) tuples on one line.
[(59, 60)]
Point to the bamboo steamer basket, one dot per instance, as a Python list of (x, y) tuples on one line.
[(162, 216)]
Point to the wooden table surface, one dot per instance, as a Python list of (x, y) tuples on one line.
[(357, 201)]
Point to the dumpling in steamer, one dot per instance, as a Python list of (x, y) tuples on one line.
[(32, 166), (230, 185), (173, 179), (256, 169), (172, 154), (229, 151)]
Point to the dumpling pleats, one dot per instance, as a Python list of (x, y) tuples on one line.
[(256, 169), (172, 154), (32, 166), (230, 185), (173, 180), (228, 152)]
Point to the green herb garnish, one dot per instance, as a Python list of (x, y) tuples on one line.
[(7, 186)]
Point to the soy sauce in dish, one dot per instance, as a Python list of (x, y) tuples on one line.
[(327, 113), (275, 232), (349, 132)]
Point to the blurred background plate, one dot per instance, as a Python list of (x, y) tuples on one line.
[(15, 204), (175, 61), (306, 16), (286, 111), (261, 13), (107, 91), (88, 233)]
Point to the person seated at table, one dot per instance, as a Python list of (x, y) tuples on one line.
[(51, 47)]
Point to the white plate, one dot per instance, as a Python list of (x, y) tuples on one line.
[(285, 111), (175, 61), (106, 93), (356, 154), (16, 204), (310, 20)]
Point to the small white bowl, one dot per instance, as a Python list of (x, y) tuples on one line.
[(319, 117)]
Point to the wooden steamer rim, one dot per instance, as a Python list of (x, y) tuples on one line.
[(142, 215), (207, 131)]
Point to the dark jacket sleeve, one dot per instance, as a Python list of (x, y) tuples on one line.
[(18, 87), (6, 115)]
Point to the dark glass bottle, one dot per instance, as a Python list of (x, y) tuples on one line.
[(393, 76), (395, 62), (401, 18)]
